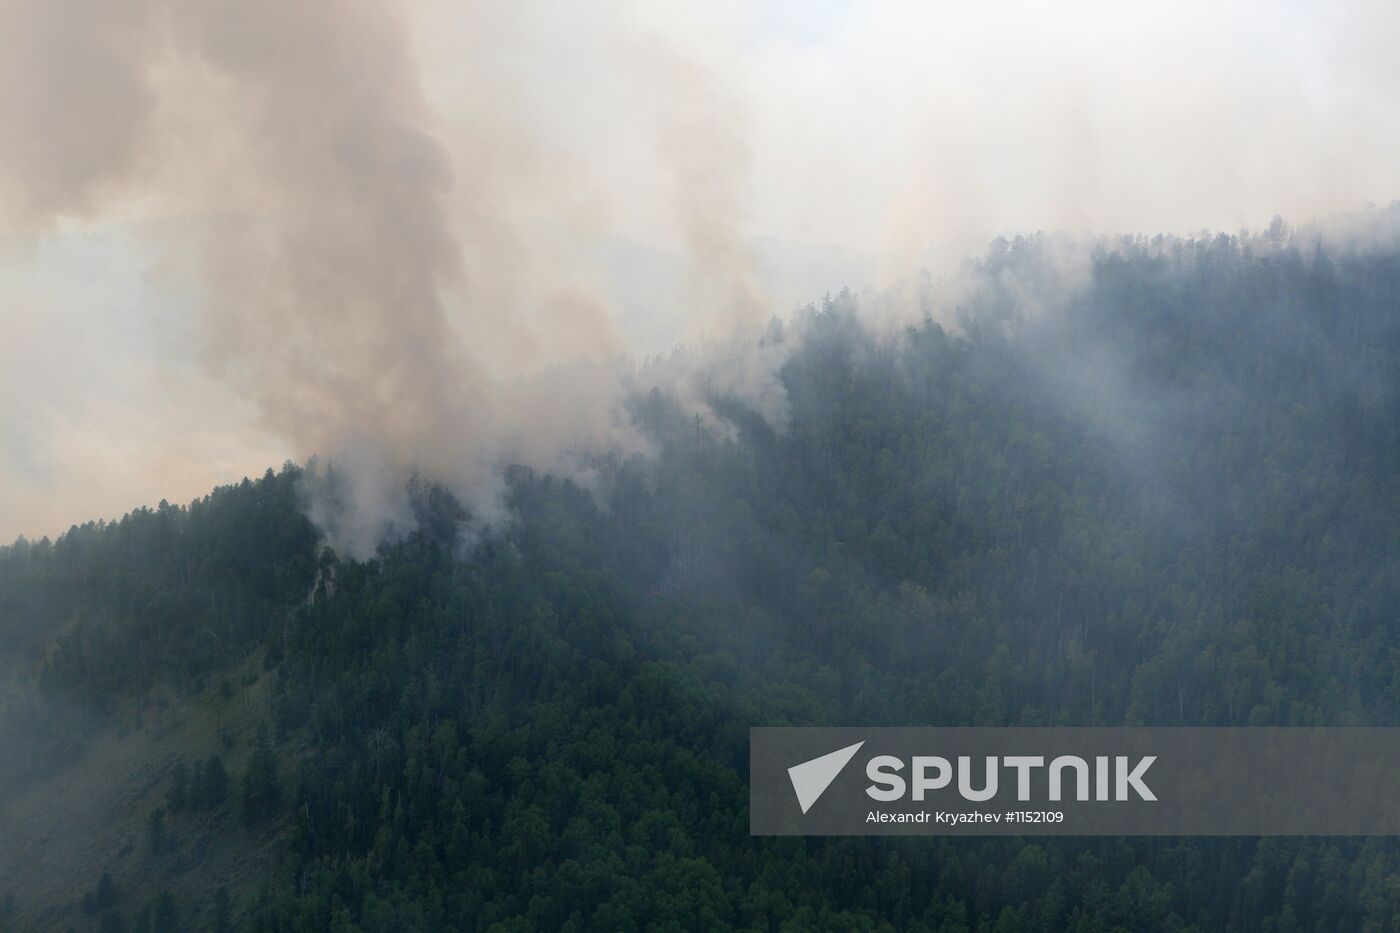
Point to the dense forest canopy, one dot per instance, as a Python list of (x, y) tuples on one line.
[(1160, 489)]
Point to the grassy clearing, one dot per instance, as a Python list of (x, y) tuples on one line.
[(59, 835)]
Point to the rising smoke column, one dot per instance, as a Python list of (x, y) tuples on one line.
[(291, 143), (367, 290), (324, 267), (303, 197)]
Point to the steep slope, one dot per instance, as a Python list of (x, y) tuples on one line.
[(64, 832)]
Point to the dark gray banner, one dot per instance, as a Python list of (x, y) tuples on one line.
[(1075, 781)]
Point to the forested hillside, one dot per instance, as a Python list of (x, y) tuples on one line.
[(1166, 494)]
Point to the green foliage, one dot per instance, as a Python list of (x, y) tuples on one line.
[(165, 916), (260, 793), (112, 922), (106, 894), (222, 912), (178, 797), (198, 789), (214, 788), (102, 899), (166, 596), (157, 840)]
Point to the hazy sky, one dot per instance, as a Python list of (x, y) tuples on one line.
[(235, 232)]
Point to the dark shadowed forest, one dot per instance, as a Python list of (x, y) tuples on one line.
[(1167, 493)]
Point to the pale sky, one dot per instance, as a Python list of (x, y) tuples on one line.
[(616, 175)]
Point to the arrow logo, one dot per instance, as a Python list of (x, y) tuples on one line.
[(811, 778)]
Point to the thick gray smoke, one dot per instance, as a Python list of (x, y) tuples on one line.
[(405, 234), (296, 141), (76, 104), (324, 273)]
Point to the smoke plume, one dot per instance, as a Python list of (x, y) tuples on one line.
[(422, 235)]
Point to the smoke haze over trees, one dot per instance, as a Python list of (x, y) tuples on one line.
[(1144, 481), (437, 236)]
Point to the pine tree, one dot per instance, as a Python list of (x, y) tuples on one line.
[(223, 912), (166, 916), (215, 782), (198, 791), (106, 892), (178, 797), (155, 832), (260, 791)]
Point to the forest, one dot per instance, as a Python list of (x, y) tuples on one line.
[(1165, 493)]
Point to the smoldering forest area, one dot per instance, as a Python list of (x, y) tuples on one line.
[(528, 403), (1166, 498)]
